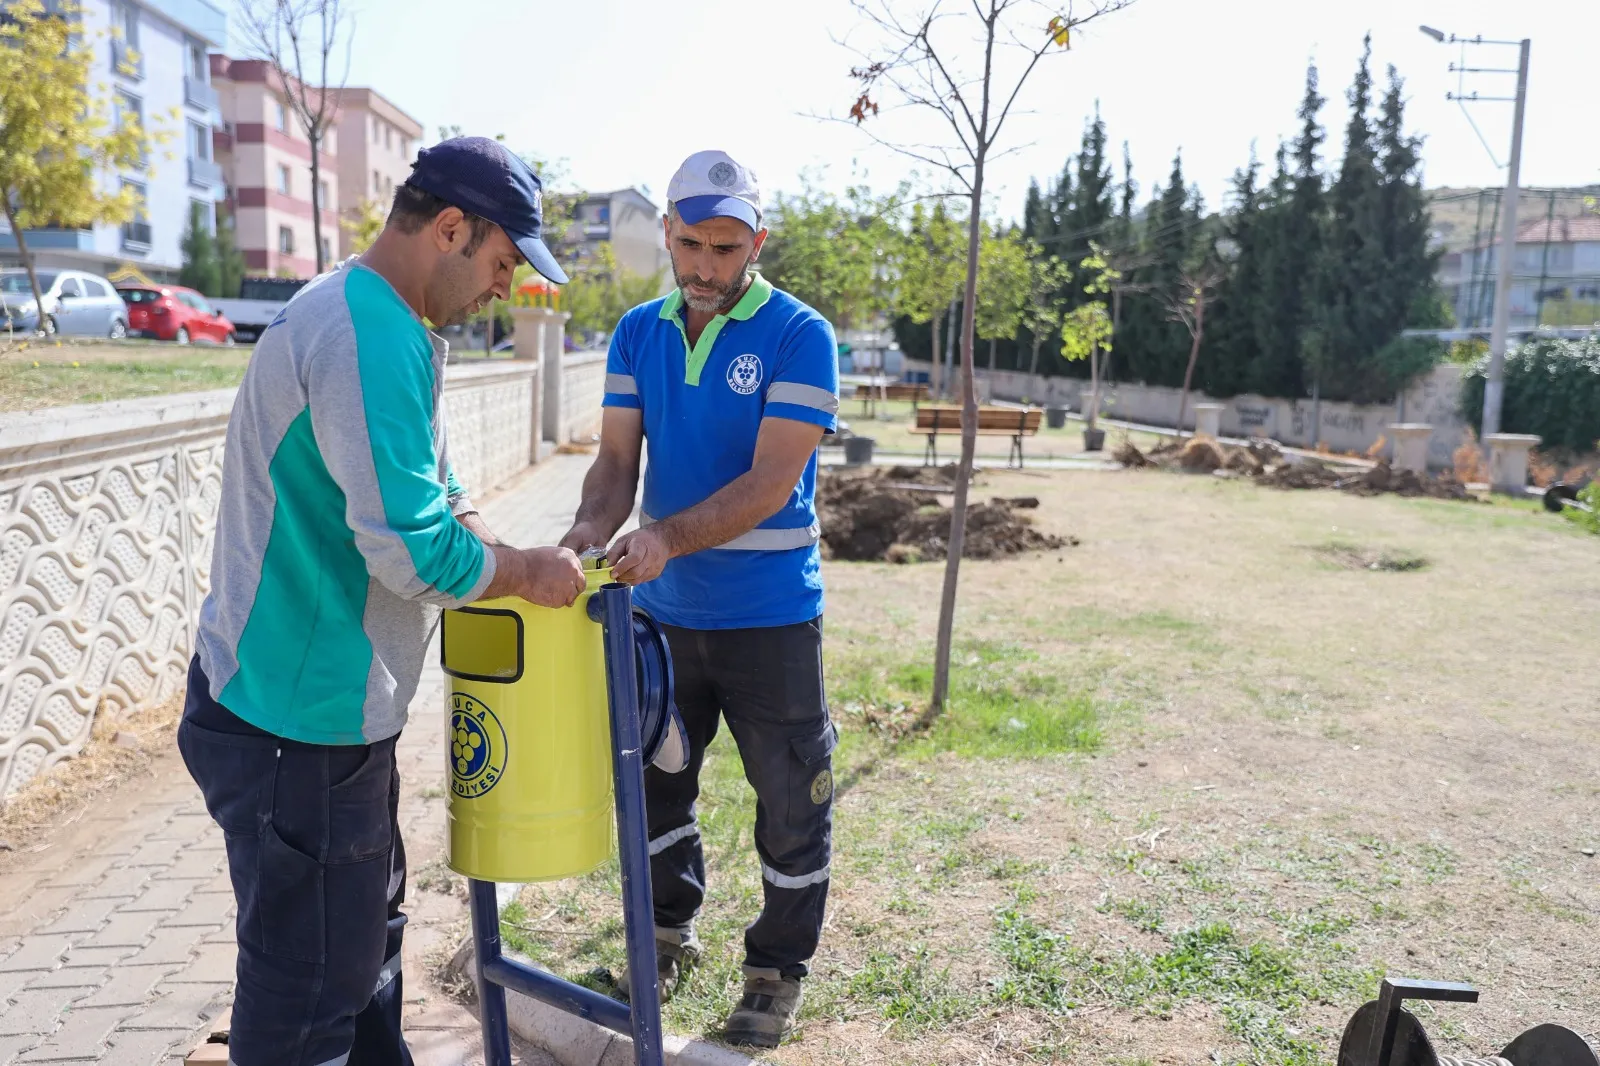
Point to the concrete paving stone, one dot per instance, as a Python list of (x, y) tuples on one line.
[(170, 946), (86, 872), (186, 826), (213, 963), (70, 977), (226, 934), (220, 881), (126, 930), (83, 916), (147, 1047), (39, 952), (12, 983), (197, 862), (163, 895), (12, 1047), (119, 882), (185, 1007), (129, 986), (82, 1035), (86, 956), (203, 908), (161, 853), (37, 1010)]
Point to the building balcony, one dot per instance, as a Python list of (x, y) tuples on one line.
[(201, 94), (126, 59), (136, 237), (597, 231), (205, 174)]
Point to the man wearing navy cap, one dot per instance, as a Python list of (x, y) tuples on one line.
[(341, 532), (731, 384)]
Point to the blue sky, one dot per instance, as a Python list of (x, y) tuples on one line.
[(622, 90)]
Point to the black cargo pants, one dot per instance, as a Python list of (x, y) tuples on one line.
[(319, 874), (767, 683)]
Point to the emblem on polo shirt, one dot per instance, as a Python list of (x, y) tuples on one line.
[(744, 375)]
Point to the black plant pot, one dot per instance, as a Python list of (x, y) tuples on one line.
[(858, 450), (1094, 440)]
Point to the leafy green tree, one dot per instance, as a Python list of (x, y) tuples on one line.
[(931, 270), (1042, 313), (1087, 329), (231, 266), (56, 140), (1002, 284), (834, 253), (363, 223), (201, 269)]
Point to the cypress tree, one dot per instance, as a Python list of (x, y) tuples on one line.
[(1231, 325), (200, 270), (1291, 231), (1150, 347)]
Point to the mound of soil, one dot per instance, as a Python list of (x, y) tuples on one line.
[(896, 514), (1263, 462)]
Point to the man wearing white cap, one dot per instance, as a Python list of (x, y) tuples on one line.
[(731, 384)]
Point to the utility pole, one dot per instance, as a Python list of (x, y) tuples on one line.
[(1494, 387)]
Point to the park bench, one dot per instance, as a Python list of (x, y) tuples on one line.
[(936, 420), (898, 391)]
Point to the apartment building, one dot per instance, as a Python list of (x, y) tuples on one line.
[(378, 142), (626, 219), (266, 159), (1555, 277), (154, 67)]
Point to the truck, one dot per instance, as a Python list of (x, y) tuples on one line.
[(260, 300)]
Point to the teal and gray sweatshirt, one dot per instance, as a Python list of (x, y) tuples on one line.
[(336, 538)]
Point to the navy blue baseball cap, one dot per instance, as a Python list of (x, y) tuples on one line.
[(481, 177)]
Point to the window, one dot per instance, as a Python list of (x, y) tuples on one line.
[(199, 65), (377, 183), (199, 141), (327, 251), (125, 22), (13, 283), (323, 196), (388, 136), (285, 240), (203, 207), (136, 231), (284, 185), (70, 287), (375, 125), (96, 287), (130, 110), (280, 116)]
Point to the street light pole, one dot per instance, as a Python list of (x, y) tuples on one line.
[(1494, 386)]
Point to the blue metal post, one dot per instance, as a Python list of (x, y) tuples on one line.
[(633, 835), (491, 996)]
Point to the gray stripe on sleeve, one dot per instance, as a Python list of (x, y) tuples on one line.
[(803, 396), (622, 384)]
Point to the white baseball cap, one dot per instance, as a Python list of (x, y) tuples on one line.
[(711, 184)]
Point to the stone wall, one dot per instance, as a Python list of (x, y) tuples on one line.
[(106, 518), (583, 387), (1343, 427)]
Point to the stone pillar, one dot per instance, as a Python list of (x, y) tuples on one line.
[(1411, 445), (527, 338), (1207, 420), (1508, 460)]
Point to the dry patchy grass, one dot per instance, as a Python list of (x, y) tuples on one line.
[(1199, 789), (47, 374)]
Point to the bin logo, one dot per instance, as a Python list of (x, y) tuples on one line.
[(477, 747)]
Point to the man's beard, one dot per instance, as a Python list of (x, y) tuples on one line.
[(726, 295)]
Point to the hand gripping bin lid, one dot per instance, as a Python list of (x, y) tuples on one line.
[(529, 738)]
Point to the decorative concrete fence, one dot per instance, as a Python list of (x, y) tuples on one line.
[(106, 519)]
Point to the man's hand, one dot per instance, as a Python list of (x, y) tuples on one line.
[(583, 535), (639, 556), (549, 576)]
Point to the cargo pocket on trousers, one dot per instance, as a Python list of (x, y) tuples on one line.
[(816, 769), (291, 901)]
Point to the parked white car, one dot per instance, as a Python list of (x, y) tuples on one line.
[(75, 304)]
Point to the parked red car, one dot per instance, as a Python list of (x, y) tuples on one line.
[(173, 313)]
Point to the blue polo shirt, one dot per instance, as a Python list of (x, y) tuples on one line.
[(770, 356)]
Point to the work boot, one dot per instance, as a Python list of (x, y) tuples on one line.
[(768, 1010), (677, 952)]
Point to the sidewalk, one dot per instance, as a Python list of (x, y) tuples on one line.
[(116, 943)]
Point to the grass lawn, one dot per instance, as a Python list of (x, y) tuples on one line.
[(893, 434), (1205, 779), (46, 374)]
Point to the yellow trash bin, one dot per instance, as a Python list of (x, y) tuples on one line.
[(529, 739)]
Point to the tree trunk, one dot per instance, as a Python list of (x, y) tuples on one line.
[(1033, 364), (950, 349), (991, 354), (316, 200), (1116, 326), (1194, 354), (969, 443), (936, 379), (27, 260)]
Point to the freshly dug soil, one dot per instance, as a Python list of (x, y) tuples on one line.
[(899, 514), (1263, 462)]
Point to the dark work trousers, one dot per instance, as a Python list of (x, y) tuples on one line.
[(319, 874), (767, 683)]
